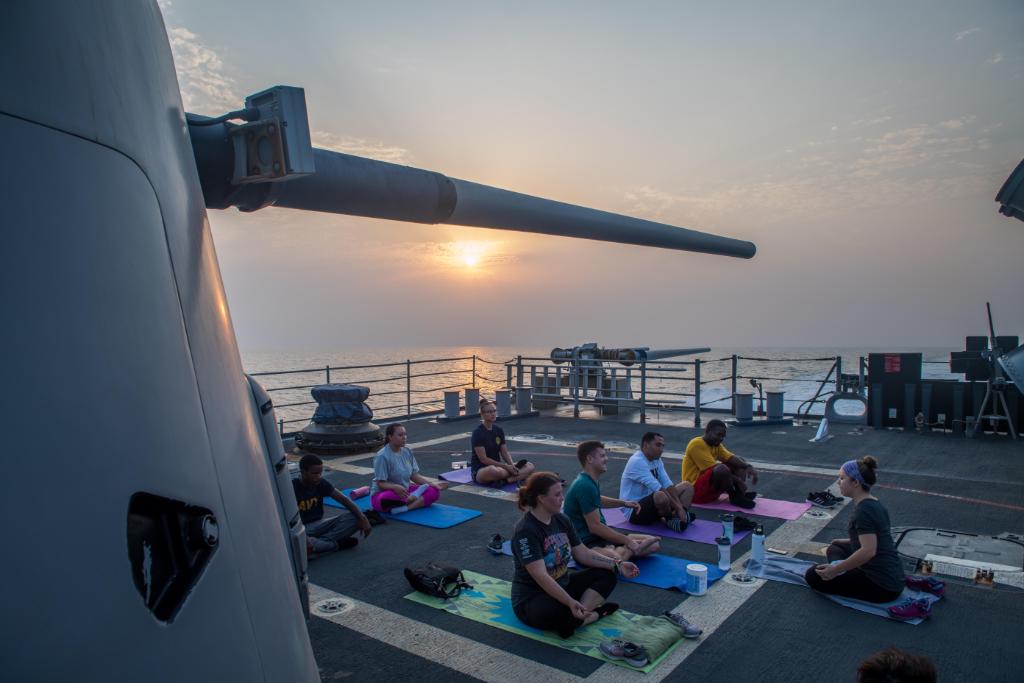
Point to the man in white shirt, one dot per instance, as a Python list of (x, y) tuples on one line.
[(645, 481)]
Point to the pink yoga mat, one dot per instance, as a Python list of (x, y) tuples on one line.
[(765, 507), (465, 476), (699, 530)]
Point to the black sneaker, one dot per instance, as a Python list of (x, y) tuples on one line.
[(374, 518), (821, 499), (495, 546), (835, 499), (741, 523), (741, 501)]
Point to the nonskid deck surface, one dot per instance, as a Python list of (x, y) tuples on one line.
[(766, 631)]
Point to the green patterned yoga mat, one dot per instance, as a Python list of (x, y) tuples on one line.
[(490, 602)]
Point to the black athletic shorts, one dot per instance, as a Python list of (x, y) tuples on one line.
[(648, 512)]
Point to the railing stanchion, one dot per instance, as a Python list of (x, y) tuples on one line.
[(643, 392), (508, 376), (474, 371), (735, 371), (280, 427), (327, 371), (408, 387), (519, 372), (696, 391), (575, 384)]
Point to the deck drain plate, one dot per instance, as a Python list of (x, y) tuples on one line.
[(814, 512), (531, 437), (744, 579), (620, 444), (333, 606)]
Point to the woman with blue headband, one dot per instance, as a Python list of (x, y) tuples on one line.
[(866, 565)]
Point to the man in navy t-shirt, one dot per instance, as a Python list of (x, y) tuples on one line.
[(333, 533), (491, 462)]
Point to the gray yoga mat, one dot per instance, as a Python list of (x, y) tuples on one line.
[(791, 570)]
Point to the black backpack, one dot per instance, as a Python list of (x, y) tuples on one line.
[(437, 579)]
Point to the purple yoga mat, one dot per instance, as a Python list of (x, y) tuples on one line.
[(465, 476), (699, 530), (765, 507)]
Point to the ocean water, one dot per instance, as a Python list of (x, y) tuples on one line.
[(432, 370)]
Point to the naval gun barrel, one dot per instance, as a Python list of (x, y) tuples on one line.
[(625, 356), (351, 185)]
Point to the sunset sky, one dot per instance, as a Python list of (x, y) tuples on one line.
[(858, 145)]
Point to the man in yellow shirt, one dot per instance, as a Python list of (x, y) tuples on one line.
[(713, 470)]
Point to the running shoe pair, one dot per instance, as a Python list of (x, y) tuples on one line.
[(823, 499), (625, 651), (494, 547)]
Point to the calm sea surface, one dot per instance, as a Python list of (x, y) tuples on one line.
[(796, 371)]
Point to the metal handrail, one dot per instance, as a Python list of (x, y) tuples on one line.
[(663, 384)]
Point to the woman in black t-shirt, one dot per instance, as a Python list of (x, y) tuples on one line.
[(545, 594), (865, 566)]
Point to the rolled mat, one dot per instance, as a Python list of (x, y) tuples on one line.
[(465, 476), (437, 516), (657, 570), (490, 602), (698, 531), (792, 570), (765, 507)]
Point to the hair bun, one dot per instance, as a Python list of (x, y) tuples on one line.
[(869, 462)]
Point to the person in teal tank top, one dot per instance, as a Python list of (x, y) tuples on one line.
[(583, 504)]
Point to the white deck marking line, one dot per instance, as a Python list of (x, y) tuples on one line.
[(722, 599), (456, 652)]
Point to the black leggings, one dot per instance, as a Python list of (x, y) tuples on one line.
[(544, 612), (854, 583)]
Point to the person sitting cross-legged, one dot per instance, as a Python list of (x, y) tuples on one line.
[(583, 505), (491, 463), (713, 470), (865, 566), (398, 485), (545, 594), (645, 481), (325, 534)]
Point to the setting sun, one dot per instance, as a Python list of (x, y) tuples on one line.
[(466, 254)]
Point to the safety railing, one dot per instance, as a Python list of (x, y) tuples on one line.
[(415, 388)]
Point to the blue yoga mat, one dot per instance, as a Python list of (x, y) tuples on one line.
[(657, 570), (438, 515), (791, 570)]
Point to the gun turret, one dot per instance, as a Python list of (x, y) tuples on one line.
[(625, 356), (268, 162)]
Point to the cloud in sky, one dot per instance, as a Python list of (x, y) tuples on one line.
[(995, 59), (963, 34), (363, 148), (205, 87)]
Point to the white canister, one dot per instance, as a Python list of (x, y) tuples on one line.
[(696, 579)]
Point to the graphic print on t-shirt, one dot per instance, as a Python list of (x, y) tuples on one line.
[(556, 557)]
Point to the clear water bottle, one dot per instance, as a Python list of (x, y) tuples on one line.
[(724, 553), (757, 550), (727, 526)]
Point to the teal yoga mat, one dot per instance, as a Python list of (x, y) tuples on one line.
[(490, 602), (791, 570), (437, 516), (657, 570)]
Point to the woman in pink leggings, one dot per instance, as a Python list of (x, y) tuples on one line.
[(398, 485)]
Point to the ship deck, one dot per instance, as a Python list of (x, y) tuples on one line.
[(766, 631)]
